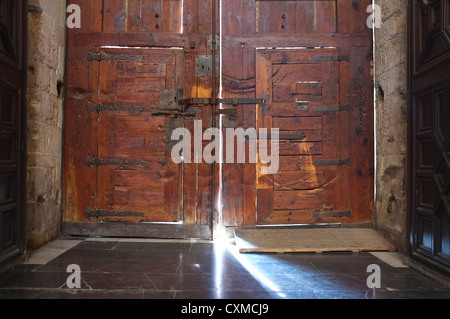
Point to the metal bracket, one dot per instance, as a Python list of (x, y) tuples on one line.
[(171, 99), (210, 42), (171, 104), (203, 65), (171, 124)]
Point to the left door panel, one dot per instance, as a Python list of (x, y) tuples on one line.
[(136, 178), (130, 176)]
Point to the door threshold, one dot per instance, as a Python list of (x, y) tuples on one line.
[(136, 230), (308, 226)]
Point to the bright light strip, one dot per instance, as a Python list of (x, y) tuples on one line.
[(221, 143), (182, 17), (254, 272), (296, 225)]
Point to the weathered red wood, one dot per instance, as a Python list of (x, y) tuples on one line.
[(80, 182), (255, 66), (317, 81)]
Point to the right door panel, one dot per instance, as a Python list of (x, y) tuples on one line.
[(311, 63), (302, 91)]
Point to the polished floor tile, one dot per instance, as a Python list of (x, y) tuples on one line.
[(117, 269)]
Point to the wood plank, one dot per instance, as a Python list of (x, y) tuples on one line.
[(292, 148), (171, 16), (297, 123), (297, 163), (138, 178), (151, 16), (305, 16), (135, 196), (115, 16), (140, 145), (311, 240), (276, 17), (139, 124), (233, 176), (80, 182), (249, 120), (91, 21), (286, 78), (142, 69), (299, 200), (352, 16), (304, 217), (304, 179), (326, 16)]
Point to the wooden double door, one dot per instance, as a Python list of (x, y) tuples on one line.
[(429, 123), (138, 70), (12, 154)]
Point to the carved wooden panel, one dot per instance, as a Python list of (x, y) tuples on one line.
[(12, 86), (429, 210)]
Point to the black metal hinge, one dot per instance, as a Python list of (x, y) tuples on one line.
[(97, 56), (194, 113), (93, 161), (91, 107), (230, 101), (97, 213), (329, 162), (332, 108)]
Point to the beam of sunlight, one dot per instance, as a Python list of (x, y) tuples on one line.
[(260, 277), (218, 269)]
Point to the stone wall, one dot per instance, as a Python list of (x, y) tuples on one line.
[(391, 102), (46, 50)]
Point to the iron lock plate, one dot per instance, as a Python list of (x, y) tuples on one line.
[(203, 65), (171, 99)]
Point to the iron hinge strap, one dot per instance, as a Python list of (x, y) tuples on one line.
[(91, 107), (331, 162), (194, 114), (331, 108), (93, 161), (232, 101), (97, 56), (97, 213)]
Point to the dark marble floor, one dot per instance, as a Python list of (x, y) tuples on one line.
[(191, 270)]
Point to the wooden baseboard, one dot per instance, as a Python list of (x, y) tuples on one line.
[(135, 230)]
